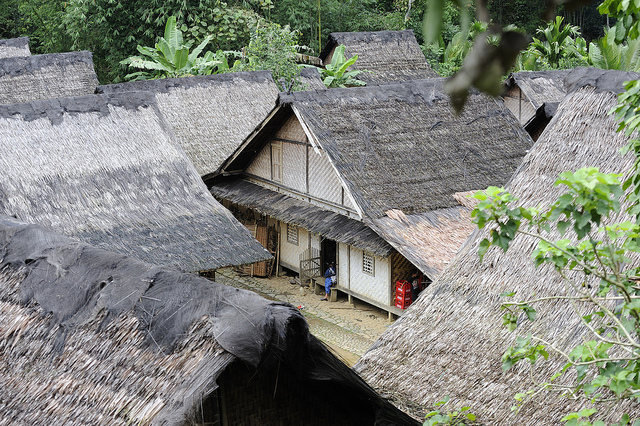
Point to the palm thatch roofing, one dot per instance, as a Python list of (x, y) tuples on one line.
[(451, 340), (389, 55), (332, 225), (106, 170), (403, 156), (39, 77), (88, 336), (311, 79), (209, 115), (14, 47)]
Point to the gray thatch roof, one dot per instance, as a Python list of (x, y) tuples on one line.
[(311, 79), (389, 55), (39, 77), (210, 115), (12, 47), (450, 341), (540, 87), (93, 337), (104, 169), (291, 210)]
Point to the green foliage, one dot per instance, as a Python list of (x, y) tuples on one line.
[(556, 41), (335, 74), (171, 57), (457, 417), (273, 48), (606, 53)]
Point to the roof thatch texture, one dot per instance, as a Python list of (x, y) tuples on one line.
[(210, 115), (400, 147), (12, 47), (540, 87), (92, 337), (450, 341), (104, 169), (301, 213), (311, 79), (389, 55), (39, 77)]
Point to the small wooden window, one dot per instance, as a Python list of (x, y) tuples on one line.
[(368, 263), (276, 161), (292, 234)]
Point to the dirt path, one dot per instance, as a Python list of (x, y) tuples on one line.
[(349, 331)]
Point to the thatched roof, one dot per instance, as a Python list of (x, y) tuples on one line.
[(399, 147), (311, 79), (301, 213), (14, 47), (93, 337), (450, 341), (104, 169), (210, 115), (540, 87), (389, 55), (39, 77)]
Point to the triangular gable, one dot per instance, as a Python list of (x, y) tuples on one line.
[(288, 156)]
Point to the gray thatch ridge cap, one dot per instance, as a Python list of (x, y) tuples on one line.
[(14, 42), (414, 91), (300, 213), (84, 311), (27, 64), (451, 340), (602, 80), (55, 108), (165, 84), (347, 37)]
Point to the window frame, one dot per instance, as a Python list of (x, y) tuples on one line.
[(372, 262), (290, 230)]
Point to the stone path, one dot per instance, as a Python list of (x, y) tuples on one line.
[(348, 330)]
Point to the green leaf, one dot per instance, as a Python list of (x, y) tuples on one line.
[(483, 247)]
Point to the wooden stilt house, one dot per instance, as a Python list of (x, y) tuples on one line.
[(388, 55), (12, 47), (371, 178), (91, 337), (452, 340), (105, 169), (39, 77)]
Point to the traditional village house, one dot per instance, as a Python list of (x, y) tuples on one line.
[(91, 337), (533, 97), (38, 77), (388, 55), (105, 169), (451, 341), (372, 178), (12, 47)]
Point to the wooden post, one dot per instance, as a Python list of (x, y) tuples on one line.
[(278, 252)]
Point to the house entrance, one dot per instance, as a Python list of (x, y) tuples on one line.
[(327, 252)]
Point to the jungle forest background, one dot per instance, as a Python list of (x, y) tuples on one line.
[(112, 29)]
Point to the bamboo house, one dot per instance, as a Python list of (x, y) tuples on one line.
[(533, 97), (12, 47), (106, 170), (210, 115), (88, 336), (39, 77), (388, 55), (450, 342), (372, 178)]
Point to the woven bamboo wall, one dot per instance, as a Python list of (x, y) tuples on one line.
[(261, 165), (521, 108), (377, 287), (292, 130), (343, 261), (275, 397), (289, 253), (294, 166), (323, 180)]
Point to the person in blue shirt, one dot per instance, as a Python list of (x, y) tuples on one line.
[(329, 280)]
